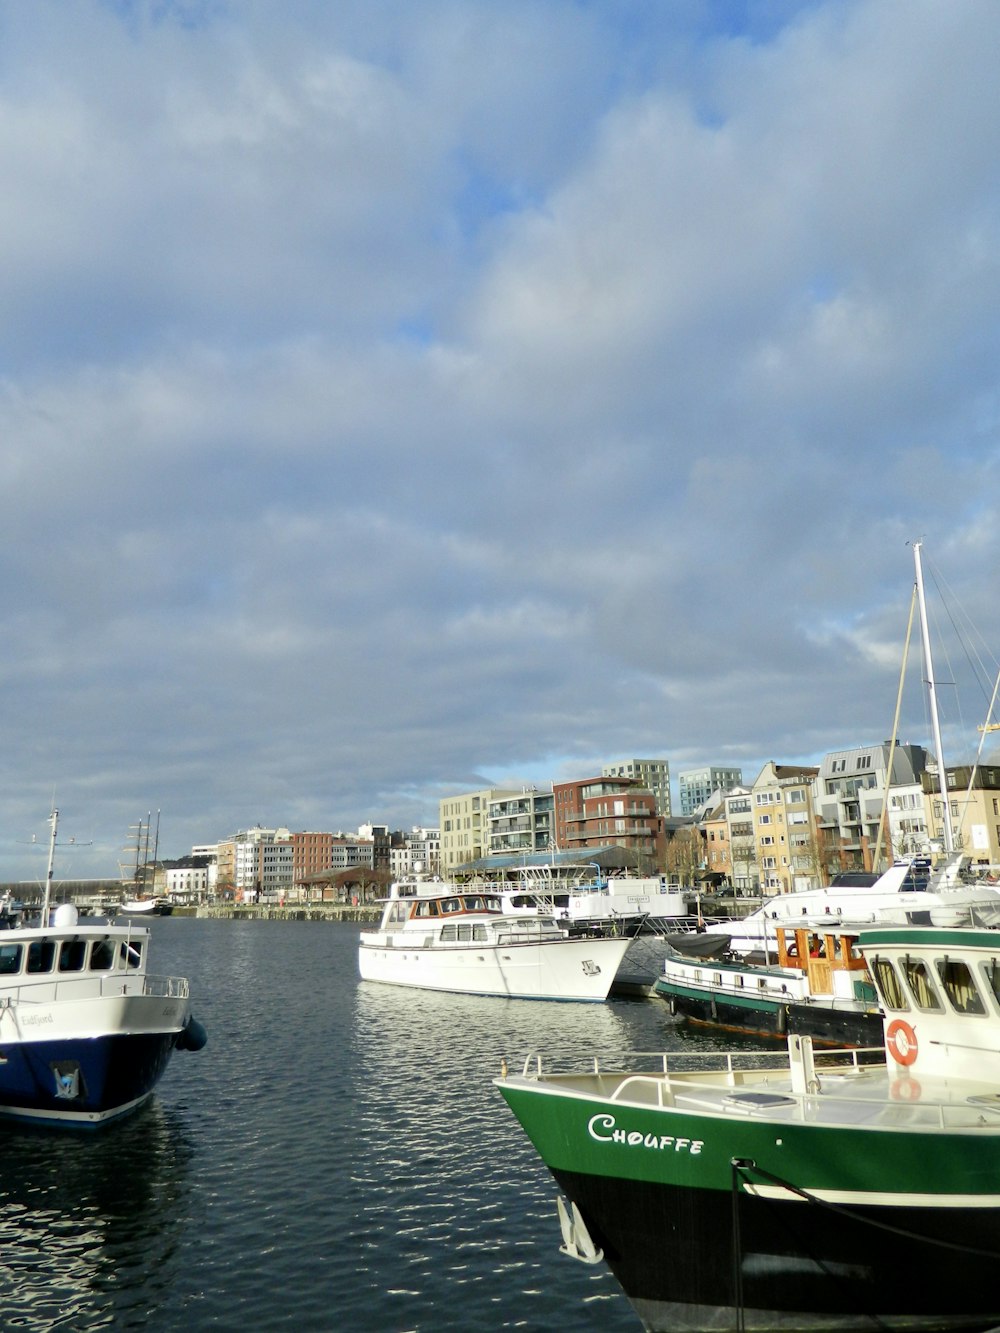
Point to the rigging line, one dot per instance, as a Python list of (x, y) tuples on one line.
[(870, 1221), (972, 633), (895, 729), (978, 670), (964, 633), (983, 733)]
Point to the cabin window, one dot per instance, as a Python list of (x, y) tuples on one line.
[(102, 956), (959, 986), (464, 932), (449, 933), (479, 933), (131, 952), (72, 955), (41, 955), (10, 959), (991, 971), (888, 983), (922, 988), (451, 905), (426, 909), (473, 904)]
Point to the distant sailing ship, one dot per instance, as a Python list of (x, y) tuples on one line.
[(139, 872)]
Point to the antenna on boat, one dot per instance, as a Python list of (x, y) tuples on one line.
[(949, 839), (53, 824)]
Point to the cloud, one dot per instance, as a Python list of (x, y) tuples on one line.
[(395, 398)]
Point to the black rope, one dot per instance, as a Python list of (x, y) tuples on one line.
[(745, 1166), (738, 1164), (742, 1165)]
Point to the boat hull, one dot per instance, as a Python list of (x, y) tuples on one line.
[(759, 1017), (798, 1268), (87, 1062), (895, 1231), (570, 969), (83, 1082)]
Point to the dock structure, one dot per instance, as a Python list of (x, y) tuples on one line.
[(290, 912)]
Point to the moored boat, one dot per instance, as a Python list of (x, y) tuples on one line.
[(464, 941), (892, 898), (85, 1030), (817, 986), (152, 906), (810, 1191)]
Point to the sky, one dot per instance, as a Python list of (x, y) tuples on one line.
[(401, 397)]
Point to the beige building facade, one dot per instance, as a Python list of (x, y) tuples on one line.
[(784, 829)]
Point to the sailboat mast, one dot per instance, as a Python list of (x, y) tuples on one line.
[(949, 837)]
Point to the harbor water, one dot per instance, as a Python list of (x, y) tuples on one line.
[(335, 1158)]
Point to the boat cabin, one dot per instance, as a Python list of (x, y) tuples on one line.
[(399, 912), (825, 958), (67, 955), (940, 995)]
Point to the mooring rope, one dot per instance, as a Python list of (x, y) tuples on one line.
[(745, 1165)]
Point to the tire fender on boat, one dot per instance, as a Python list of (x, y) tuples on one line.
[(904, 1090), (901, 1042)]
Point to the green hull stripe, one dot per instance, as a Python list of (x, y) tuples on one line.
[(758, 1002), (574, 1132)]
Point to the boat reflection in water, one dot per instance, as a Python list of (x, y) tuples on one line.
[(83, 1224), (445, 1190)]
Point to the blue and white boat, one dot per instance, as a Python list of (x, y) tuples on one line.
[(85, 1030)]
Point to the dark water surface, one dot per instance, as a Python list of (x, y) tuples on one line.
[(335, 1158)]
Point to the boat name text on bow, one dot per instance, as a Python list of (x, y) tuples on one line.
[(604, 1129)]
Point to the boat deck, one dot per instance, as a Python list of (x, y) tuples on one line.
[(833, 1089)]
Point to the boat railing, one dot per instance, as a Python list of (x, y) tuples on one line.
[(847, 1088), (96, 987)]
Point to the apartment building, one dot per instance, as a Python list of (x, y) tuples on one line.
[(717, 861), (696, 785), (261, 863), (653, 774), (974, 809), (784, 829), (522, 823), (311, 854), (851, 798), (187, 880), (608, 812), (416, 853), (744, 871), (464, 822)]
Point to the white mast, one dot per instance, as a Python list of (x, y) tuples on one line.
[(949, 839), (53, 821)]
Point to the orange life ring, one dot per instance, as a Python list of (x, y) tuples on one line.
[(904, 1090), (901, 1042)]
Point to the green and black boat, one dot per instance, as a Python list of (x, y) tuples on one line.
[(802, 1190)]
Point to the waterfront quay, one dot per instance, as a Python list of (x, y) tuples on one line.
[(289, 912)]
